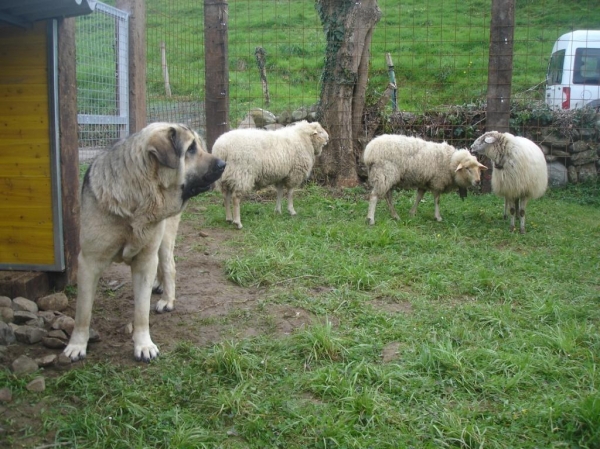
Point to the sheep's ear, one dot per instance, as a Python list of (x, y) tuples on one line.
[(460, 166), (481, 166), (490, 139)]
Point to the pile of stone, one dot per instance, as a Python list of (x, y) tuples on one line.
[(261, 118), (572, 159), (26, 322)]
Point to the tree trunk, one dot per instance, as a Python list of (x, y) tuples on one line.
[(348, 27)]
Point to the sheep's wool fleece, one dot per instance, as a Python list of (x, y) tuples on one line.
[(524, 172), (409, 162), (257, 158)]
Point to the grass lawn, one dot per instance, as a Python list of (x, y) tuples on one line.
[(425, 335)]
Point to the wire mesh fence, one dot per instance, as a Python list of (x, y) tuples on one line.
[(439, 50), (102, 79)]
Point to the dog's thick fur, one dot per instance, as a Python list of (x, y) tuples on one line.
[(131, 201)]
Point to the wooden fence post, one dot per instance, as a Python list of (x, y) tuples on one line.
[(500, 69), (165, 68), (216, 71), (137, 62)]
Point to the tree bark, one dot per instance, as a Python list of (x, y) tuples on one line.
[(348, 27)]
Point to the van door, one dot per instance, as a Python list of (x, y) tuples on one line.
[(556, 98)]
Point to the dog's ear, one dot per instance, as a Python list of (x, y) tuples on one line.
[(164, 146)]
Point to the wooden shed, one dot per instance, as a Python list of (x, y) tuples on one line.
[(39, 165)]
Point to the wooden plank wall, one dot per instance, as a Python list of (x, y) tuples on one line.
[(26, 226)]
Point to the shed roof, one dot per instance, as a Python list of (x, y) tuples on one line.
[(23, 13)]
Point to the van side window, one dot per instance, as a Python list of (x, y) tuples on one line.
[(587, 66), (555, 68)]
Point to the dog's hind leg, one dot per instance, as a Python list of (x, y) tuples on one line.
[(88, 274), (166, 266)]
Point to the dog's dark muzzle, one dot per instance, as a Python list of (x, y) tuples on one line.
[(200, 184)]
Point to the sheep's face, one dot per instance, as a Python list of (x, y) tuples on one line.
[(319, 138), (483, 142), (468, 172)]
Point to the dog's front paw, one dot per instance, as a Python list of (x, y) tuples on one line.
[(163, 305), (75, 351), (146, 350)]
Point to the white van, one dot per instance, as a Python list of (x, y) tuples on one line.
[(573, 79)]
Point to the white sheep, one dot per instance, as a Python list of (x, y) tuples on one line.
[(258, 158), (397, 161), (519, 172)]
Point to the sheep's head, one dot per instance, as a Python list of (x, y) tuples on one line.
[(319, 138), (468, 170), (484, 142)]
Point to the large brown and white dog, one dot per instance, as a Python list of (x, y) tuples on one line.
[(131, 201)]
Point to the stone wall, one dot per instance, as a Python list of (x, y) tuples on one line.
[(570, 140)]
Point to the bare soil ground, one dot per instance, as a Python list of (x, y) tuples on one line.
[(209, 308)]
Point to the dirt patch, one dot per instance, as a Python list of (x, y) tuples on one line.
[(209, 309)]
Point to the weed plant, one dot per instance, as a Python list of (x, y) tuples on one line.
[(494, 336)]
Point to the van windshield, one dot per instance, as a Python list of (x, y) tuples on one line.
[(587, 66), (555, 68)]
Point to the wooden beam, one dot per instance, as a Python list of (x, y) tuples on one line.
[(216, 70), (137, 62), (69, 152)]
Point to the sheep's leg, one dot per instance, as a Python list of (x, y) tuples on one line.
[(436, 202), (372, 206), (227, 194), (420, 194), (522, 215), (514, 208), (390, 202), (290, 199), (236, 211), (506, 208), (279, 198)]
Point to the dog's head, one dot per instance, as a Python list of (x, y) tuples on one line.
[(181, 157)]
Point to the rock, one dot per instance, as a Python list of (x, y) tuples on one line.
[(37, 385), (7, 335), (273, 126), (285, 118), (63, 360), (24, 304), (47, 360), (5, 301), (262, 118), (585, 157), (587, 172), (57, 333), (579, 146), (559, 153), (24, 365), (300, 114), (56, 301), (94, 336), (21, 316), (7, 314), (64, 323), (54, 343), (572, 173), (248, 122), (587, 133), (5, 394), (545, 149), (48, 317), (37, 322), (557, 174), (30, 334)]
